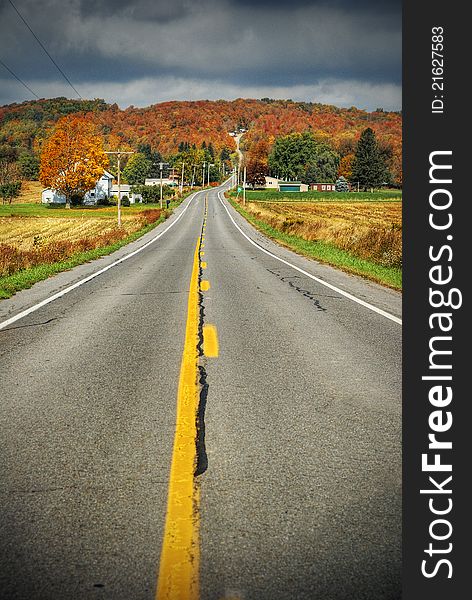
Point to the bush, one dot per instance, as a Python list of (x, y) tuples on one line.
[(76, 200), (125, 201), (105, 201)]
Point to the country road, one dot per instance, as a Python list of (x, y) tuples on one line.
[(288, 484)]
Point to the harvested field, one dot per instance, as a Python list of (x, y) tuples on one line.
[(368, 230), (28, 232), (28, 241)]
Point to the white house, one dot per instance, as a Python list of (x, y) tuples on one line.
[(165, 181), (125, 190), (101, 190), (271, 183)]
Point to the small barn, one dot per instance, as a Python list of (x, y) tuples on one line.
[(323, 187)]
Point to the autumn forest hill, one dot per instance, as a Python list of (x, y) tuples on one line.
[(167, 127)]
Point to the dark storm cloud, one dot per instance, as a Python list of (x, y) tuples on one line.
[(238, 47), (377, 5), (161, 10)]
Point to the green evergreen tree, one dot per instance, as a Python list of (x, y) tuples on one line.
[(368, 167), (342, 185), (224, 154)]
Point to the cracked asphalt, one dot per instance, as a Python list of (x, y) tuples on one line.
[(301, 490)]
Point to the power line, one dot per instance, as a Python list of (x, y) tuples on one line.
[(20, 80), (42, 46)]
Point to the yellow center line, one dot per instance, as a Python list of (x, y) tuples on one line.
[(180, 555), (204, 265), (210, 341), (204, 285)]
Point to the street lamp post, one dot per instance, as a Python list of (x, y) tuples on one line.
[(203, 174), (119, 154)]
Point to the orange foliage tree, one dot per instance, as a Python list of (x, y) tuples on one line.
[(72, 159), (345, 166), (257, 163)]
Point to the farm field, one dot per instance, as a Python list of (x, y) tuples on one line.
[(359, 237), (26, 226), (276, 196), (37, 241), (26, 233)]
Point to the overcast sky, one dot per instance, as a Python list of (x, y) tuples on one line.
[(146, 51)]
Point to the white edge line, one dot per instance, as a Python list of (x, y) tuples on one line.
[(328, 285), (65, 291)]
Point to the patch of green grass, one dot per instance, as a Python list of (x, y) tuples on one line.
[(275, 196), (328, 253), (45, 210), (26, 278)]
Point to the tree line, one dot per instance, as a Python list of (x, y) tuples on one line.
[(304, 158)]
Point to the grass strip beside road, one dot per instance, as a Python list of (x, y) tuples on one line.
[(327, 253), (25, 278)]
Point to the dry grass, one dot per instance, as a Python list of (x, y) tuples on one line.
[(370, 230), (25, 233), (30, 241)]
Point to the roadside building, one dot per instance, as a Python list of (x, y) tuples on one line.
[(171, 181), (101, 190), (323, 187), (292, 186), (273, 183), (125, 190)]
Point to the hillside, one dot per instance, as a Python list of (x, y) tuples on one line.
[(166, 125)]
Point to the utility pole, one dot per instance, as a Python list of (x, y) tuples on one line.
[(119, 154), (193, 176), (182, 179), (244, 187), (161, 166), (203, 174)]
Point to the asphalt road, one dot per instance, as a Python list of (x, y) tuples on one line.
[(300, 496)]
